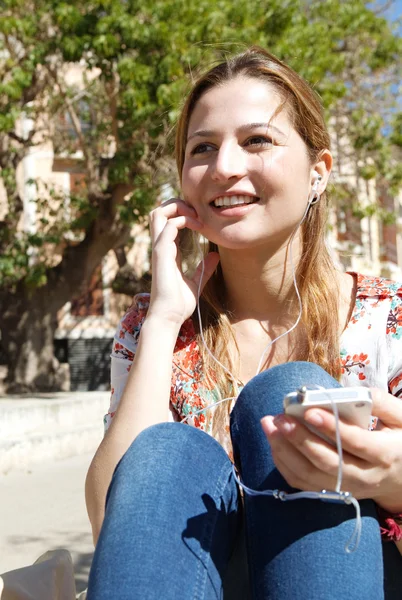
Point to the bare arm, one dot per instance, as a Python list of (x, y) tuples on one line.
[(145, 402)]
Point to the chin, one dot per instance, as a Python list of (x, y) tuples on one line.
[(236, 242)]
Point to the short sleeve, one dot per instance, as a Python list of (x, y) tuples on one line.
[(123, 351), (394, 339)]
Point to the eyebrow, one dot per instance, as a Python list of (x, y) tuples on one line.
[(241, 129)]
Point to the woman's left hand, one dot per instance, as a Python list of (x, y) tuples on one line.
[(372, 460)]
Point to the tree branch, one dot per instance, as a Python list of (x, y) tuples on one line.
[(112, 92), (78, 261), (71, 110), (121, 256), (39, 83), (381, 9), (27, 142), (95, 192), (11, 49)]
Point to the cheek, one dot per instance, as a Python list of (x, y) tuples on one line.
[(191, 179), (270, 172), (289, 167)]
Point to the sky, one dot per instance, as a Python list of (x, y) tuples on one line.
[(393, 13)]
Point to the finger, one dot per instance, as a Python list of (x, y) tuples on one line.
[(294, 466), (166, 231), (159, 221), (367, 445), (211, 261), (159, 216), (320, 464), (318, 451), (387, 408), (301, 475), (176, 206), (317, 480), (169, 201)]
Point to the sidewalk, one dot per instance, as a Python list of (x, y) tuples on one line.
[(42, 508)]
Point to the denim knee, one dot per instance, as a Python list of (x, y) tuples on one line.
[(171, 516), (164, 453), (264, 393), (171, 440), (161, 446)]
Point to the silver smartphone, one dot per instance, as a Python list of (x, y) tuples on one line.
[(354, 404)]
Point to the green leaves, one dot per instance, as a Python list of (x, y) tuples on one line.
[(68, 17), (396, 134)]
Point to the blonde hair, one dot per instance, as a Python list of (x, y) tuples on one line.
[(315, 273)]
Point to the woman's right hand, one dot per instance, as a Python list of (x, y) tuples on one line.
[(173, 295)]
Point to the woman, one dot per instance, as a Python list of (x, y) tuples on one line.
[(254, 161)]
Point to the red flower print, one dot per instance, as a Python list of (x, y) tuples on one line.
[(358, 361), (394, 384), (369, 285), (394, 322)]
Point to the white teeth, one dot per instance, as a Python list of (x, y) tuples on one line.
[(233, 200)]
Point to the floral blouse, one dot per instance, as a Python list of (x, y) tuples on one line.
[(370, 353)]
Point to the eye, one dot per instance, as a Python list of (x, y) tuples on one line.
[(258, 141), (201, 149)]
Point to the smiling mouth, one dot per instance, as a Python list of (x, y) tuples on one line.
[(224, 201)]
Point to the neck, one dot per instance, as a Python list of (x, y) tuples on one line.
[(259, 284)]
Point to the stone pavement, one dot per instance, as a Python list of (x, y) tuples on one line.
[(42, 507)]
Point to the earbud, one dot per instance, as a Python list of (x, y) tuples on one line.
[(315, 196), (317, 179)]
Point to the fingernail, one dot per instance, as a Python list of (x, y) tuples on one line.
[(283, 424), (314, 418), (266, 423)]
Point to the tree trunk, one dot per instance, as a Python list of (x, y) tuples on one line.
[(126, 282), (28, 317), (27, 338)]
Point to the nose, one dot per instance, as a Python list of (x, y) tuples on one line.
[(230, 162)]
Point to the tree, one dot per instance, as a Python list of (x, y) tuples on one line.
[(136, 61), (360, 54)]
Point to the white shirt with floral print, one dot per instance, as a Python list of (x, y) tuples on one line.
[(370, 353)]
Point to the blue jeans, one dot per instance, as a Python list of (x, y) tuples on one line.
[(173, 516)]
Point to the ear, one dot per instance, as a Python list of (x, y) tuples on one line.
[(323, 167)]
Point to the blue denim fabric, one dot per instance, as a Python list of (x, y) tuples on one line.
[(173, 516)]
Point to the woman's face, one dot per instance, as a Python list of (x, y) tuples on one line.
[(248, 181)]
